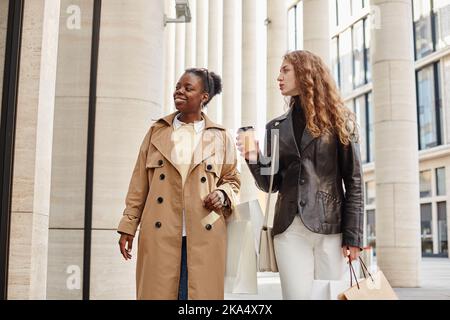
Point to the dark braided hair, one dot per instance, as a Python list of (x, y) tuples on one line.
[(212, 83)]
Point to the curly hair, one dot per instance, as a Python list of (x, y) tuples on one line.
[(325, 111)]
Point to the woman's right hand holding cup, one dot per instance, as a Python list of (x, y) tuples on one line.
[(247, 144)]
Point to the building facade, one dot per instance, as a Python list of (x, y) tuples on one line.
[(82, 80)]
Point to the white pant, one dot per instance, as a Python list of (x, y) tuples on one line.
[(304, 256)]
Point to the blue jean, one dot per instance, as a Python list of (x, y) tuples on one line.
[(183, 288)]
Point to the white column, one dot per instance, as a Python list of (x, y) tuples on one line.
[(231, 63), (276, 49), (316, 26), (396, 147), (191, 37), (249, 114), (202, 33), (33, 152), (169, 58), (215, 53), (180, 47), (124, 115)]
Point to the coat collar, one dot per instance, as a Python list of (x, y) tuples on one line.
[(163, 141), (307, 137)]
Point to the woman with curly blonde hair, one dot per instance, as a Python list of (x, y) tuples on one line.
[(318, 222)]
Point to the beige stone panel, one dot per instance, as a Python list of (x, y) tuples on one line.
[(169, 59), (74, 50), (117, 142), (69, 162), (407, 225), (401, 265), (130, 60), (3, 29), (392, 91), (191, 37), (394, 36), (385, 215), (316, 28), (394, 163), (65, 264), (27, 256), (111, 276)]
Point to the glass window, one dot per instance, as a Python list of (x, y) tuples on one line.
[(422, 28), (441, 11), (370, 192), (429, 116), (360, 109), (335, 59), (442, 228), (440, 181), (345, 58), (292, 28), (367, 38), (426, 230), (371, 234), (358, 54), (425, 184), (344, 11)]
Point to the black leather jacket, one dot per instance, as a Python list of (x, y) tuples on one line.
[(310, 181)]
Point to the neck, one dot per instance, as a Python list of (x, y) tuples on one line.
[(190, 117)]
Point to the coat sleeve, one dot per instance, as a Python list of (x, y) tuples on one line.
[(230, 178), (353, 214), (137, 191), (261, 169)]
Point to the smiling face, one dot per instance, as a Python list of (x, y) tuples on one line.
[(189, 94), (287, 80)]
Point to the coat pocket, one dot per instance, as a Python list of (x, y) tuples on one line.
[(329, 208)]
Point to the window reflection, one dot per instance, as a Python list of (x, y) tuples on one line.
[(425, 184)]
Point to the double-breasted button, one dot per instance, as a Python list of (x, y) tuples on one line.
[(160, 200), (203, 179), (160, 163), (162, 176), (209, 167), (158, 224), (303, 203), (208, 227), (302, 181)]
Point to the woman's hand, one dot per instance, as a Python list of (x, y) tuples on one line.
[(124, 239), (351, 252), (248, 155), (213, 202)]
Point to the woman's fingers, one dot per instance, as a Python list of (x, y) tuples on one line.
[(344, 252), (130, 247), (122, 248)]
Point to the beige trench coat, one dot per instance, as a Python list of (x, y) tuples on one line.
[(155, 202)]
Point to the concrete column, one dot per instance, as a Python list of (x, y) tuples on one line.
[(316, 28), (130, 94), (215, 24), (33, 150), (191, 37), (277, 46), (396, 146), (169, 58), (201, 23), (249, 115), (231, 63)]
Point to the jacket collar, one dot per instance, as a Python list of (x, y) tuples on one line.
[(162, 139)]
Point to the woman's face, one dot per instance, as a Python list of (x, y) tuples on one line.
[(189, 94), (287, 80)]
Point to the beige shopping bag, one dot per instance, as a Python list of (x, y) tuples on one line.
[(373, 287)]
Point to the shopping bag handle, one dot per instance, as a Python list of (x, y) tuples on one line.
[(272, 172), (353, 273)]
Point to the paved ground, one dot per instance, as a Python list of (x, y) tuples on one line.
[(435, 284)]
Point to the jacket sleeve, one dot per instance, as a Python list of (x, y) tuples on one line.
[(137, 191), (230, 178), (261, 169), (353, 214)]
